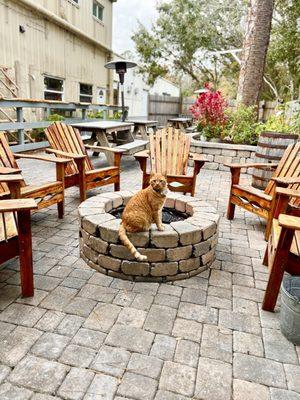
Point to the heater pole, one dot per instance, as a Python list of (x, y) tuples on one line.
[(120, 66), (123, 102)]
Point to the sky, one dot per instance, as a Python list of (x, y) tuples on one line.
[(126, 15)]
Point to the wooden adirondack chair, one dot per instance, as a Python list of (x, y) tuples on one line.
[(15, 232), (283, 251), (169, 154), (45, 195), (66, 142), (260, 202)]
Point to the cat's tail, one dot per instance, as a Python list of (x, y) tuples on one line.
[(124, 239)]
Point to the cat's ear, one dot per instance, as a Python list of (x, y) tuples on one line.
[(152, 174)]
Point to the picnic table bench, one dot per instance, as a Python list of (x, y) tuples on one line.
[(142, 126), (180, 123), (118, 132)]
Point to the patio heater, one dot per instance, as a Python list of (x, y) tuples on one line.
[(121, 66)]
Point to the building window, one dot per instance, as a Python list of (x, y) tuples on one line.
[(53, 88), (98, 10), (85, 93)]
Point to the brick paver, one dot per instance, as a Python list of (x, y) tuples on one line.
[(86, 336)]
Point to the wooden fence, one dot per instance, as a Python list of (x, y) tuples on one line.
[(161, 108)]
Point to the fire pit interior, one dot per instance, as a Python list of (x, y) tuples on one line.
[(168, 214), (184, 249)]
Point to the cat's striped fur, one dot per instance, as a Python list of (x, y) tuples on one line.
[(143, 209)]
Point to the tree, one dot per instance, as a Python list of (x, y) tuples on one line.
[(283, 59), (255, 48), (185, 36)]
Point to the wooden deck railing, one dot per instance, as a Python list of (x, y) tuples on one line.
[(20, 126)]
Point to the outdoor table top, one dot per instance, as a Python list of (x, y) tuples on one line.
[(142, 122), (102, 124), (179, 119)]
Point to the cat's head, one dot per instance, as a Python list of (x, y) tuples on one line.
[(159, 183)]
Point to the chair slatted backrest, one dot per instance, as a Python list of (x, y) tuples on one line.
[(8, 226), (169, 151), (288, 167), (7, 160), (68, 139)]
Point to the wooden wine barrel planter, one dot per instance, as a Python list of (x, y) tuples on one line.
[(270, 148)]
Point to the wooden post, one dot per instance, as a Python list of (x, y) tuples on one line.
[(20, 131)]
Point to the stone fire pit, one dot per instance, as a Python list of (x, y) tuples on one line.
[(184, 249)]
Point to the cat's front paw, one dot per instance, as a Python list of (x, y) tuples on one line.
[(161, 228), (140, 257)]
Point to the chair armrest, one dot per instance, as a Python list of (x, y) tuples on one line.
[(65, 154), (197, 157), (286, 181), (252, 165), (42, 158), (17, 205), (289, 222), (7, 171), (11, 178), (142, 154), (102, 148), (288, 192)]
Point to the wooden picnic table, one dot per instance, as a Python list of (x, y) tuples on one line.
[(142, 127), (120, 133), (180, 122)]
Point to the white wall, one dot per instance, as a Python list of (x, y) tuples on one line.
[(163, 87)]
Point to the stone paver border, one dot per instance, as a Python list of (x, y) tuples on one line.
[(183, 250)]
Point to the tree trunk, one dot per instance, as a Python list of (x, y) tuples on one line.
[(255, 48)]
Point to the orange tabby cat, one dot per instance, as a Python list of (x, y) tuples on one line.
[(142, 210)]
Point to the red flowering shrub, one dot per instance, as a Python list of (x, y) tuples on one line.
[(209, 111)]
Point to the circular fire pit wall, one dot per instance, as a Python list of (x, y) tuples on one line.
[(184, 249)]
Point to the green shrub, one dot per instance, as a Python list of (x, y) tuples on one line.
[(242, 126), (277, 123), (95, 114), (295, 123), (55, 117)]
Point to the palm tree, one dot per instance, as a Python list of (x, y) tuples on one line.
[(255, 47)]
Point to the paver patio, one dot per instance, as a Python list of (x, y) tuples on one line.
[(89, 336)]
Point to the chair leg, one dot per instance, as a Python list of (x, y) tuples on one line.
[(266, 257), (273, 286), (25, 253), (82, 179), (117, 186), (268, 227), (230, 210), (277, 269), (61, 209)]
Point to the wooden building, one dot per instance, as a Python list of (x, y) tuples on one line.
[(56, 49)]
